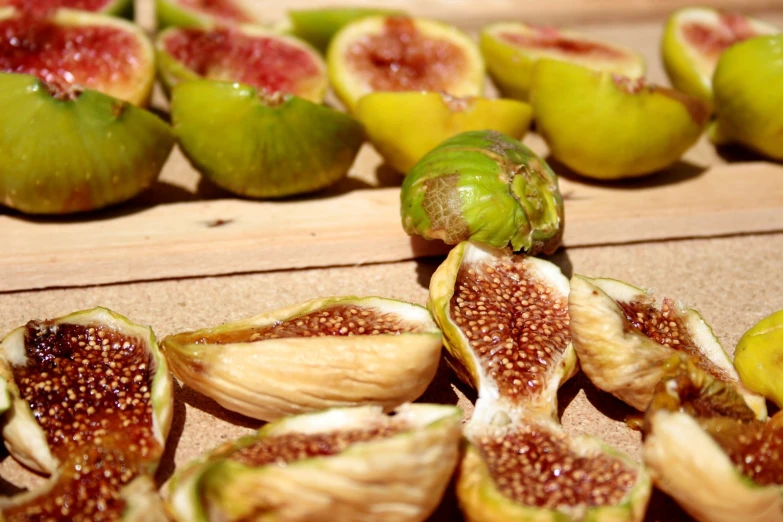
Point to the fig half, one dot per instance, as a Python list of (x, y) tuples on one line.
[(337, 351), (758, 357), (512, 48), (347, 464), (318, 26), (397, 53), (606, 126), (484, 187), (122, 8), (623, 338), (202, 13), (262, 146), (392, 121)]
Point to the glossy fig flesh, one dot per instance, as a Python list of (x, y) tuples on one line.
[(39, 7), (623, 337), (505, 322), (339, 351), (202, 13), (347, 464)]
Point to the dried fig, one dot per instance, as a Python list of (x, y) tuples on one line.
[(346, 464), (202, 13), (758, 357), (318, 26), (337, 351), (122, 8), (262, 146), (484, 187), (397, 53), (511, 48), (392, 121), (623, 338)]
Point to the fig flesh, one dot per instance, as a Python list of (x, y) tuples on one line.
[(748, 111), (694, 39), (262, 146), (273, 63), (202, 13), (63, 152), (758, 357), (397, 53), (484, 187), (392, 121), (122, 8), (338, 351), (512, 48), (606, 126), (623, 338), (318, 26), (347, 464)]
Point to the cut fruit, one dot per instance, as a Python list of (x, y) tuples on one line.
[(75, 50), (63, 151), (606, 126), (393, 121), (202, 13), (694, 39), (395, 53), (274, 63), (337, 351), (262, 146), (484, 187), (347, 464), (699, 431), (623, 338), (511, 48), (748, 110), (759, 358), (318, 26), (41, 7)]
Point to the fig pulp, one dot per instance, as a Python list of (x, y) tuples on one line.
[(40, 7), (262, 146), (202, 13), (484, 187), (346, 464), (623, 337), (396, 53), (694, 39), (505, 322), (338, 351), (606, 126), (273, 63), (318, 26), (75, 50), (759, 357), (392, 121), (511, 48)]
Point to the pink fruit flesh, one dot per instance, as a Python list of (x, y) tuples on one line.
[(550, 39), (219, 8), (45, 6), (402, 59), (67, 57), (712, 40), (267, 63)]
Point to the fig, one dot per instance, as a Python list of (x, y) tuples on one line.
[(758, 357), (346, 464), (76, 50), (511, 48), (747, 110), (484, 187), (336, 351), (273, 63), (505, 323), (694, 39), (705, 448), (262, 146), (392, 121), (318, 26), (66, 151), (623, 338), (398, 53), (202, 13), (122, 8), (606, 126)]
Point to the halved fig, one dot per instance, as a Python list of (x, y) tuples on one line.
[(705, 448), (336, 351), (202, 13), (397, 53), (317, 26), (511, 48), (748, 111), (694, 39), (392, 121), (85, 381), (347, 464), (122, 8), (623, 337), (67, 150), (758, 357), (262, 146), (484, 187), (606, 126), (76, 50)]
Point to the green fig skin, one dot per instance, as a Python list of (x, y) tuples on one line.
[(62, 156), (748, 96), (262, 148), (317, 26), (169, 14), (487, 188)]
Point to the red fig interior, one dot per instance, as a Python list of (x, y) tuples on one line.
[(712, 39), (223, 9), (43, 6), (551, 39)]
